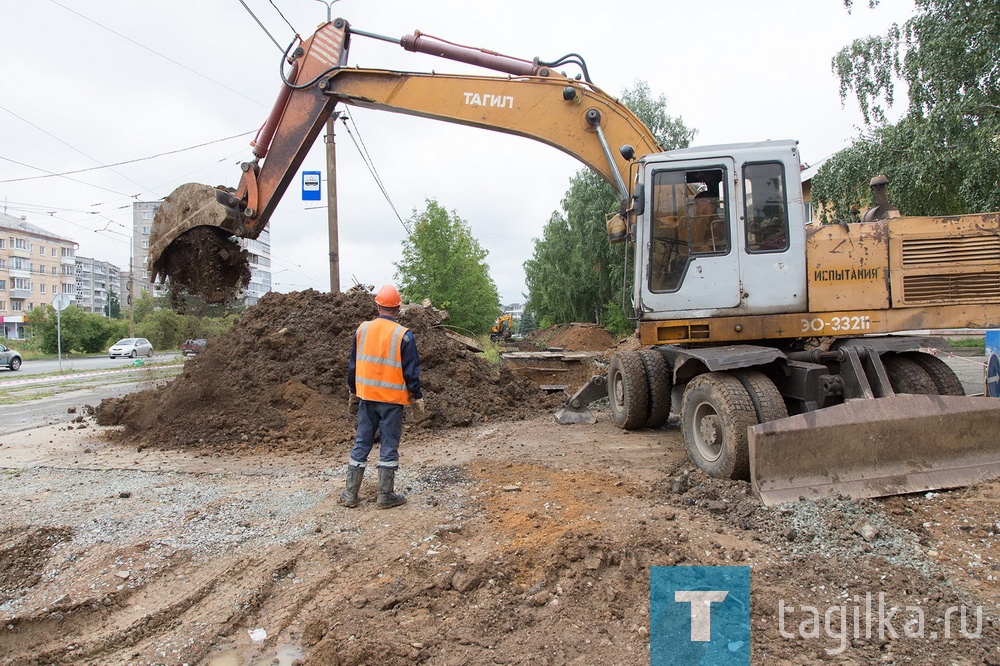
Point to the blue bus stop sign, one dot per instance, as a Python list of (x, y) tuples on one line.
[(311, 186)]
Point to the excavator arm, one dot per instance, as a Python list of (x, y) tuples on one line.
[(531, 101)]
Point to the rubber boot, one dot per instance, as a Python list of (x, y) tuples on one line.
[(349, 497), (386, 483)]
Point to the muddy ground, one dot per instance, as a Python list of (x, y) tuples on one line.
[(215, 537)]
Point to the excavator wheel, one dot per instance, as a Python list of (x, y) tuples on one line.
[(628, 391), (715, 414), (946, 382), (658, 380), (907, 376), (765, 396)]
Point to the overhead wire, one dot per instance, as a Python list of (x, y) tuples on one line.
[(366, 158), (122, 194), (254, 16), (115, 164), (68, 145), (158, 54), (283, 18)]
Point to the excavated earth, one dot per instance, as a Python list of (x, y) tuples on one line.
[(203, 528), (277, 380)]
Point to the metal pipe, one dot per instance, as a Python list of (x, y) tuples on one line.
[(262, 142), (594, 119), (417, 43)]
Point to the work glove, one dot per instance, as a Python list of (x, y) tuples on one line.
[(420, 406), (352, 404)]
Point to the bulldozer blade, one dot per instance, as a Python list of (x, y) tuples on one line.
[(872, 448), (190, 205)]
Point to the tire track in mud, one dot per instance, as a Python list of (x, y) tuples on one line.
[(240, 586)]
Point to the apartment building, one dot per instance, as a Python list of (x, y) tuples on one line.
[(35, 265), (96, 281), (142, 223)]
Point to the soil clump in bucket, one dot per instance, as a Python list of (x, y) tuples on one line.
[(204, 262)]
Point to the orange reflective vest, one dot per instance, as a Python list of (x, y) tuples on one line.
[(379, 369)]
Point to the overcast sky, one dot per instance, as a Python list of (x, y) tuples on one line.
[(88, 84)]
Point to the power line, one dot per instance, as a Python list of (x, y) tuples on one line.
[(294, 31), (127, 196), (49, 174), (168, 59), (25, 120), (249, 11), (366, 158)]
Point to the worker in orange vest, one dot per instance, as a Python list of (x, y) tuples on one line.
[(383, 376)]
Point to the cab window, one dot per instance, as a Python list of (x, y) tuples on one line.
[(689, 218), (766, 206)]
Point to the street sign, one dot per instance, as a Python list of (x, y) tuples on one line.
[(311, 186), (61, 302)]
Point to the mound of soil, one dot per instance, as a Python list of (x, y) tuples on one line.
[(574, 337), (278, 379)]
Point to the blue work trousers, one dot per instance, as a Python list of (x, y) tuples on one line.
[(387, 418)]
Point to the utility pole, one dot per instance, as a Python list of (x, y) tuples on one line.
[(331, 185), (131, 302), (331, 203)]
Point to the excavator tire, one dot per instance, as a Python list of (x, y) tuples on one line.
[(764, 395), (907, 376), (715, 414), (945, 380), (658, 380), (628, 391)]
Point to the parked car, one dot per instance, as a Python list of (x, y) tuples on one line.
[(9, 358), (131, 347), (192, 347)]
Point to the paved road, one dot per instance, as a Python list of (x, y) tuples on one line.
[(970, 370), (56, 409), (81, 364)]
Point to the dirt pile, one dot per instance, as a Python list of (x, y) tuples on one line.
[(573, 337), (279, 379)]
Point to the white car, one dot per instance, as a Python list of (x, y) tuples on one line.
[(131, 347)]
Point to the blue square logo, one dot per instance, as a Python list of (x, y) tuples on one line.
[(699, 615)]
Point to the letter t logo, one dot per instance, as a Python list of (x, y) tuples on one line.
[(701, 610)]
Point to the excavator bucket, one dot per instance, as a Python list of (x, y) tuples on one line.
[(192, 243), (871, 448), (575, 410)]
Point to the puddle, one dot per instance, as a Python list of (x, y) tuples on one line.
[(285, 655)]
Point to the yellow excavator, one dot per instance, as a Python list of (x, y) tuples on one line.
[(504, 328), (773, 339)]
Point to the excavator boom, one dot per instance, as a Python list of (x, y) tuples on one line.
[(571, 115)]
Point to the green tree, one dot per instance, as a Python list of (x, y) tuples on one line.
[(574, 274), (142, 305), (527, 322), (943, 156), (114, 307), (443, 262), (79, 331)]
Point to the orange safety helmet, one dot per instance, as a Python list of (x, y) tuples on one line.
[(388, 297)]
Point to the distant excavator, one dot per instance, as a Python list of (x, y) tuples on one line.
[(504, 328)]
